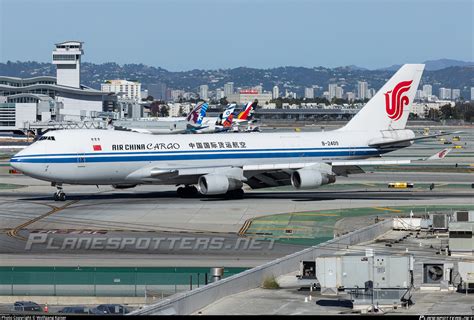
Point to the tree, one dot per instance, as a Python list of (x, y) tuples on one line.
[(279, 103), (447, 111), (223, 101), (434, 114), (155, 108), (180, 110), (164, 112)]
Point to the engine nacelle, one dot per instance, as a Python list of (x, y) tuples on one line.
[(217, 184), (309, 179)]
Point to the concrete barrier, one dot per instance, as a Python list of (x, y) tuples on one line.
[(192, 301)]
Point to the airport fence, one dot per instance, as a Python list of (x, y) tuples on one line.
[(192, 301), (153, 282)]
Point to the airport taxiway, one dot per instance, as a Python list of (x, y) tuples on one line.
[(157, 211)]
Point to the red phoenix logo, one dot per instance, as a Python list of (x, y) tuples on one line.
[(395, 100), (442, 153)]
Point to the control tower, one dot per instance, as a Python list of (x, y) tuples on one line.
[(67, 58)]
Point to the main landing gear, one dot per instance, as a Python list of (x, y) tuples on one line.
[(59, 195), (187, 191)]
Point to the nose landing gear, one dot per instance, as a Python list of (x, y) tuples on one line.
[(59, 195)]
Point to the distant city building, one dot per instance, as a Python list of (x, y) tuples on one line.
[(157, 91), (418, 95), (176, 95), (178, 109), (362, 88), (203, 91), (259, 89), (219, 94), (370, 93), (427, 91), (445, 93), (422, 109), (339, 92), (316, 90), (247, 95), (309, 93), (275, 92), (472, 93), (350, 96), (130, 89), (228, 89), (332, 90), (456, 94)]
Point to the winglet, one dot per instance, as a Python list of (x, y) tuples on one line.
[(440, 155)]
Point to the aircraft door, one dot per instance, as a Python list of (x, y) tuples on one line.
[(81, 160), (352, 152)]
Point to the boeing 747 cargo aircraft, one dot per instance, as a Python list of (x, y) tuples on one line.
[(222, 163)]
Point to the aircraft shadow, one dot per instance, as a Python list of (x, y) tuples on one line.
[(335, 303), (293, 196)]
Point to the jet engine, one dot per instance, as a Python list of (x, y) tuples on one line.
[(210, 184), (308, 178)]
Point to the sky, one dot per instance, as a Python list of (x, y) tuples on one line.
[(183, 35)]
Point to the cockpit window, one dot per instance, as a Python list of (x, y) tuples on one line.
[(47, 138)]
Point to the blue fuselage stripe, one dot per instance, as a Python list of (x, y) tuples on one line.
[(191, 151), (201, 156)]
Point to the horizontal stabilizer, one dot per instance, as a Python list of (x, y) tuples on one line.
[(385, 144)]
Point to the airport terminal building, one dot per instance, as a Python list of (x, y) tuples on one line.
[(46, 98)]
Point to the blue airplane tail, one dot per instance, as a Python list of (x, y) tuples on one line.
[(196, 116)]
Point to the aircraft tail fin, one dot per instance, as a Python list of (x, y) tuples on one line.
[(228, 112), (390, 106), (196, 116), (227, 123), (440, 155), (246, 112)]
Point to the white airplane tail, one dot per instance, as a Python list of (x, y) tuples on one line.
[(390, 107)]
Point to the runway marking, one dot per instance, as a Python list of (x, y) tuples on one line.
[(387, 209), (282, 228), (316, 214), (13, 233), (369, 184), (245, 227)]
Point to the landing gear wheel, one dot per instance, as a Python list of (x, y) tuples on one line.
[(59, 195)]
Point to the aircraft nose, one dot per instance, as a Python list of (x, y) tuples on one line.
[(15, 162), (19, 161)]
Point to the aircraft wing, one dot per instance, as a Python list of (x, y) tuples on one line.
[(265, 175), (390, 143)]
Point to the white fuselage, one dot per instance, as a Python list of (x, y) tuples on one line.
[(104, 157)]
